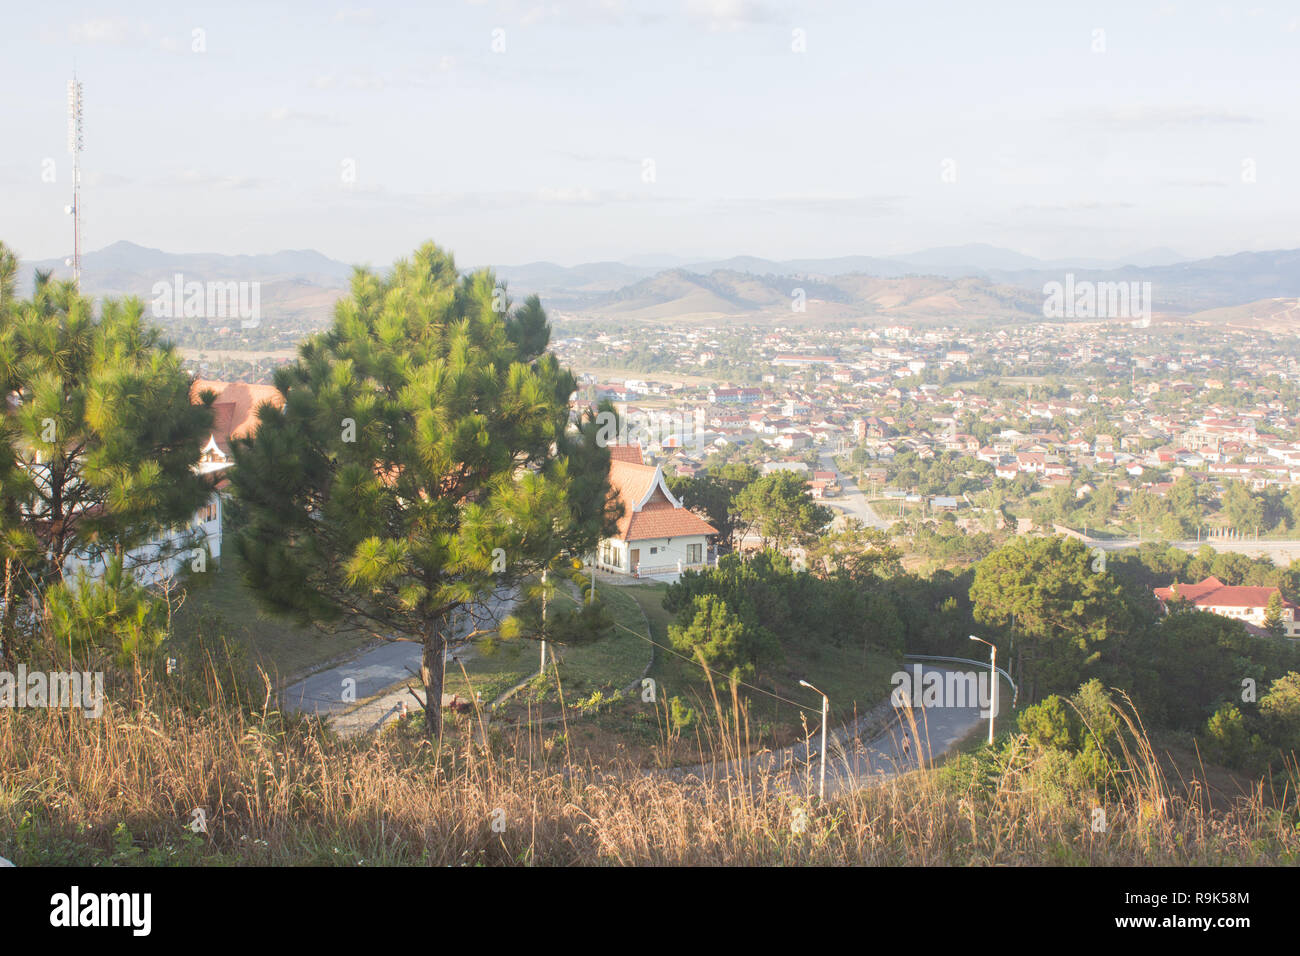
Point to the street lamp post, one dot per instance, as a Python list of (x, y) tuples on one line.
[(826, 706), (542, 670), (993, 675)]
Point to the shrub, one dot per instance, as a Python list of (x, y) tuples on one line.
[(721, 639), (1047, 724)]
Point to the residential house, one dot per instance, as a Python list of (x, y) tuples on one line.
[(657, 536), (1242, 603), (234, 415)]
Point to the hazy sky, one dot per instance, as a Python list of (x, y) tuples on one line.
[(540, 150)]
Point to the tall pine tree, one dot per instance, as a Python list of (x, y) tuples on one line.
[(98, 436), (98, 417), (421, 461)]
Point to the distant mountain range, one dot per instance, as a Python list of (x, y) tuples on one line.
[(127, 269), (297, 288), (682, 295), (955, 284), (976, 260)]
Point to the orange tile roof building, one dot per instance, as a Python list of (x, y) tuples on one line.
[(657, 536), (234, 412), (234, 415), (1247, 604)]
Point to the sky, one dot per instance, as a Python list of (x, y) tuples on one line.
[(592, 130)]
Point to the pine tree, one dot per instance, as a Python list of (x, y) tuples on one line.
[(17, 544), (1273, 622), (779, 507), (422, 460), (721, 639), (98, 436), (1052, 606)]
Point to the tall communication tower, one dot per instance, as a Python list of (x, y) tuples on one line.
[(76, 143)]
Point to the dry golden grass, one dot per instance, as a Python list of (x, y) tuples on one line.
[(122, 788)]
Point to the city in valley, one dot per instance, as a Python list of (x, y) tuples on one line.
[(649, 433)]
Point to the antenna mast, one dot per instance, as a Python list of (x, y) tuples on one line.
[(76, 143)]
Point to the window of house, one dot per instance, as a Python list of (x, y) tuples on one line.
[(694, 553)]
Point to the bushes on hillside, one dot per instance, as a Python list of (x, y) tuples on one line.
[(722, 639), (1062, 617), (1252, 737), (1084, 727), (113, 613), (798, 609)]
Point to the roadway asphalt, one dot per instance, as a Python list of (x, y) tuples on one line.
[(851, 500), (374, 671), (852, 763)]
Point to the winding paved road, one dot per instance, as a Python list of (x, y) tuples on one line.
[(1281, 552), (851, 763)]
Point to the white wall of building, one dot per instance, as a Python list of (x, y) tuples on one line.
[(166, 554), (666, 553)]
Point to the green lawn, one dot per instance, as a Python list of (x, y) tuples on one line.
[(493, 672), (220, 615), (886, 507), (853, 680), (606, 665), (650, 598)]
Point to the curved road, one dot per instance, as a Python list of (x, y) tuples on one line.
[(1239, 545), (378, 668), (851, 763)]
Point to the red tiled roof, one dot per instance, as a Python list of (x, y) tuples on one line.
[(223, 417), (630, 453), (1214, 593), (633, 483), (659, 519), (234, 412)]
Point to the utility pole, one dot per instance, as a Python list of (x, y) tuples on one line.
[(76, 143)]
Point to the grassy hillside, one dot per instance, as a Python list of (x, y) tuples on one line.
[(221, 612), (122, 789)]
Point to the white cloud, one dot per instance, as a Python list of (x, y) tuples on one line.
[(120, 31), (728, 14), (283, 114), (361, 15), (1084, 205), (1164, 117), (427, 74), (102, 31), (206, 180), (820, 203)]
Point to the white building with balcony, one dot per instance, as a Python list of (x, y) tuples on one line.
[(657, 536)]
